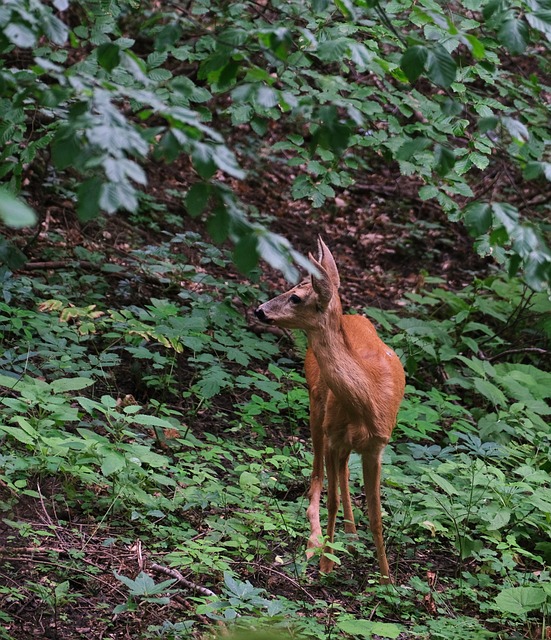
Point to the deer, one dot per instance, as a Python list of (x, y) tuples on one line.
[(356, 384)]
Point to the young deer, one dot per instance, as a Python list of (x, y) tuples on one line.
[(356, 384)]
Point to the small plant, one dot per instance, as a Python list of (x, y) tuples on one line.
[(143, 589)]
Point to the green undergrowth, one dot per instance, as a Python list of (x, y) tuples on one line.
[(173, 424)]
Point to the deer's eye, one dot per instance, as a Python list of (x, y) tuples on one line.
[(295, 299)]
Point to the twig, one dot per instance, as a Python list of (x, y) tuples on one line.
[(174, 573), (289, 579), (32, 550), (57, 264), (523, 350), (47, 516)]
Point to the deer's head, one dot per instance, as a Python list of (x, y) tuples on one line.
[(304, 306)]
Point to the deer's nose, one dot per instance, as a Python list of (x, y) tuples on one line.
[(259, 313)]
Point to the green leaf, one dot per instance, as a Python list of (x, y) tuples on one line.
[(250, 483), (444, 484), (54, 28), (66, 149), (489, 123), (14, 212), (541, 20), (202, 160), (197, 198), (428, 191), (266, 97), (333, 50), (535, 169), (361, 56), (413, 61), (11, 255), (514, 35), (444, 160), (369, 628), (226, 161), (108, 55), (70, 384), (506, 214), (19, 434), (152, 421), (441, 67), (88, 195), (478, 217), (520, 600), (245, 253), (112, 463), (490, 392), (19, 35), (517, 130), (410, 147), (118, 195), (500, 519)]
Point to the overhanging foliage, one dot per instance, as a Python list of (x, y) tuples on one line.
[(439, 89)]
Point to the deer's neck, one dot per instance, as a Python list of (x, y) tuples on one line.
[(341, 367)]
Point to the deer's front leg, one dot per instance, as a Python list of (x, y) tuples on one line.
[(316, 487)]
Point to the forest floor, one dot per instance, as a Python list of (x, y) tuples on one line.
[(386, 241)]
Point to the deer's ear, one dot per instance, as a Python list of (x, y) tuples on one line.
[(328, 262), (322, 284)]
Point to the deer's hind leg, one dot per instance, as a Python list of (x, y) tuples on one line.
[(372, 462)]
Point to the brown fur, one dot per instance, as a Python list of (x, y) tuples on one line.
[(356, 385)]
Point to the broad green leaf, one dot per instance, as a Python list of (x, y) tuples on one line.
[(444, 160), (226, 161), (266, 97), (112, 463), (517, 130), (197, 198), (108, 55), (499, 520), (478, 217), (118, 195), (413, 61), (202, 160), (361, 56), (535, 169), (513, 34), (145, 455), (70, 384), (359, 628), (489, 123), (492, 393), (411, 147), (14, 212), (88, 193), (245, 253), (441, 67), (250, 483), (444, 484), (152, 421), (54, 28), (19, 35), (477, 48), (333, 50), (11, 255), (66, 149), (506, 214), (520, 600), (428, 191), (19, 434), (541, 20)]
